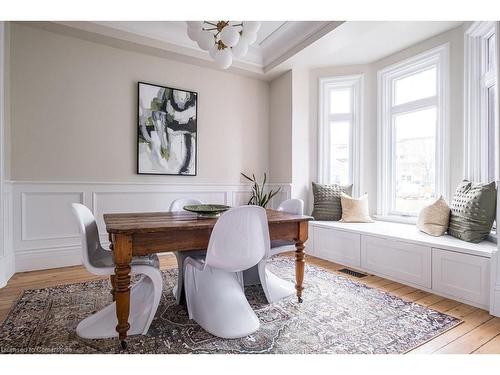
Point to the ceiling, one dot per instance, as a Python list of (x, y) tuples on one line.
[(280, 46), (273, 36), (364, 42)]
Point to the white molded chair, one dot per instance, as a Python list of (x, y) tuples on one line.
[(274, 287), (144, 295), (178, 290), (214, 288)]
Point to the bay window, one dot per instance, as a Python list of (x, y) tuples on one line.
[(481, 153), (339, 130), (412, 145)]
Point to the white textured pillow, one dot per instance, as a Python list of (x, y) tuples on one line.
[(355, 210), (433, 219)]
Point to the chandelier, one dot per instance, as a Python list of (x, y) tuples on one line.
[(223, 39)]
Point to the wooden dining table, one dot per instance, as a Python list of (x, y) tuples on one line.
[(136, 234)]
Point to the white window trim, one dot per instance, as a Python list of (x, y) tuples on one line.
[(440, 56), (475, 114), (355, 82)]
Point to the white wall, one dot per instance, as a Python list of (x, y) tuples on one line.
[(455, 39), (369, 128), (368, 144), (74, 112)]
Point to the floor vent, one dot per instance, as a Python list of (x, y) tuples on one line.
[(353, 273)]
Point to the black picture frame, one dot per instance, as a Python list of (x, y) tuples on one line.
[(192, 124)]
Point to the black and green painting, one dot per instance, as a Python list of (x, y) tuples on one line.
[(166, 131)]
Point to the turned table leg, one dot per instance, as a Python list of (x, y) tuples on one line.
[(300, 259), (112, 277), (113, 285), (122, 248)]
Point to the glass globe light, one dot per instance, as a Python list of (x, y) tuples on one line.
[(212, 51), (194, 33), (195, 24), (223, 58), (251, 26), (240, 49), (249, 37), (229, 36), (205, 40)]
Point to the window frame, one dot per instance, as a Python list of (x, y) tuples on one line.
[(439, 57), (355, 82), (476, 129)]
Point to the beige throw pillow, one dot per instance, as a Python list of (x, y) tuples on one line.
[(433, 219), (355, 210)]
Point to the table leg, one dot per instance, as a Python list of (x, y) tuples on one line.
[(122, 248), (299, 269), (113, 285), (300, 261)]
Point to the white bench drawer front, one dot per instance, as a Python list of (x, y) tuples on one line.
[(337, 246), (461, 275), (400, 260)]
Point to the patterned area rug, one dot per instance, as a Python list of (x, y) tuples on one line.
[(338, 316)]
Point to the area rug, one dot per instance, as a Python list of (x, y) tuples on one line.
[(338, 315)]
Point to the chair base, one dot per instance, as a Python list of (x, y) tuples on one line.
[(144, 299), (217, 302), (274, 287), (181, 256)]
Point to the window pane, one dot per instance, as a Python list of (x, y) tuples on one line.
[(415, 161), (416, 86), (340, 101), (490, 62), (491, 133), (339, 152)]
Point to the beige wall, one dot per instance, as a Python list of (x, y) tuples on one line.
[(302, 137), (74, 108), (280, 131), (7, 135)]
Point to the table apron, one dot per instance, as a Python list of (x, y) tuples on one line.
[(197, 239)]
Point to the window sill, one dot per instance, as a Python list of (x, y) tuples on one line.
[(396, 219)]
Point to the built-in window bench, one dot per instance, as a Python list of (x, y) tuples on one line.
[(442, 265)]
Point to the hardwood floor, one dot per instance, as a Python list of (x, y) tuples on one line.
[(479, 333)]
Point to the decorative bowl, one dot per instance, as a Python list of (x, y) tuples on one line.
[(207, 210)]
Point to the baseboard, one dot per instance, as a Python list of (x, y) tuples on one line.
[(48, 258)]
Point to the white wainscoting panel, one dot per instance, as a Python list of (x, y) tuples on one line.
[(45, 215), (45, 233)]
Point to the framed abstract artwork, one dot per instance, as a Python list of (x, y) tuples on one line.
[(167, 129)]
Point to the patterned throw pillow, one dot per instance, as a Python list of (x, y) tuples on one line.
[(472, 211), (327, 201), (434, 218)]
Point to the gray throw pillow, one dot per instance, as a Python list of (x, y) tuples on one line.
[(327, 201), (472, 211)]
